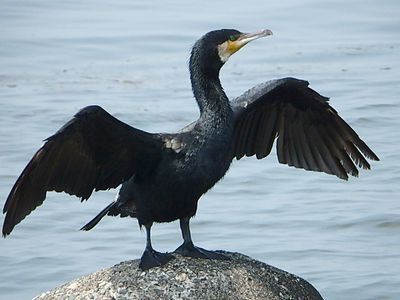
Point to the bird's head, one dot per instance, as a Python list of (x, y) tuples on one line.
[(213, 49)]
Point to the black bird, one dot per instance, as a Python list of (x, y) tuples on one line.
[(163, 175)]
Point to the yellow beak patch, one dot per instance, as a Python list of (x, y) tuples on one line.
[(227, 48)]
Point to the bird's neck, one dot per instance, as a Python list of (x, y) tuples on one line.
[(209, 94)]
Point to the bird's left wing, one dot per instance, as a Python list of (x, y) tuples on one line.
[(310, 133), (93, 151)]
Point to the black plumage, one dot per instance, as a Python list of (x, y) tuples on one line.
[(163, 175)]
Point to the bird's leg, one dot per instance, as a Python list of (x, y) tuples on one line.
[(190, 250), (150, 257)]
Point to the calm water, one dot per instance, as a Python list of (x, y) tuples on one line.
[(130, 57)]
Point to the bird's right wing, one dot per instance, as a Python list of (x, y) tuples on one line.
[(93, 151)]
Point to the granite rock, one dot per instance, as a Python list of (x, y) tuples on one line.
[(186, 278)]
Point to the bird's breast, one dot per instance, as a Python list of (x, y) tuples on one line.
[(199, 157), (211, 158)]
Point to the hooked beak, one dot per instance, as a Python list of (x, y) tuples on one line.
[(245, 38), (229, 47)]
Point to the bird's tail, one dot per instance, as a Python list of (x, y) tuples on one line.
[(100, 216)]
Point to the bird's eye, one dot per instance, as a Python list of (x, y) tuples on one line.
[(233, 38)]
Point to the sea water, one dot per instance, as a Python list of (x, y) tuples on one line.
[(130, 57)]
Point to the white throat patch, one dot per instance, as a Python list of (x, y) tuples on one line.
[(223, 52)]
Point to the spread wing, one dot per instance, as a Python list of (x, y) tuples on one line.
[(93, 151), (310, 133)]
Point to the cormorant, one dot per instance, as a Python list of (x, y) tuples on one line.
[(163, 175)]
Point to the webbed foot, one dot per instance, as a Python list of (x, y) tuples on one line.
[(190, 250), (152, 258)]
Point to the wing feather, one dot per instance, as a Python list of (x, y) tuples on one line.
[(93, 151), (281, 145), (302, 144), (297, 148), (309, 132), (262, 136), (252, 136), (270, 134)]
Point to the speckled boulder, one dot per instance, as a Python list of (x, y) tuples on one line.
[(187, 278)]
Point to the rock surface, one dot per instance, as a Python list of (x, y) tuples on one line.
[(187, 278)]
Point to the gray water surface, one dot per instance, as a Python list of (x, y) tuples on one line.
[(130, 57)]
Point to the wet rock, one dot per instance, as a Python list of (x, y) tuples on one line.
[(188, 278)]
